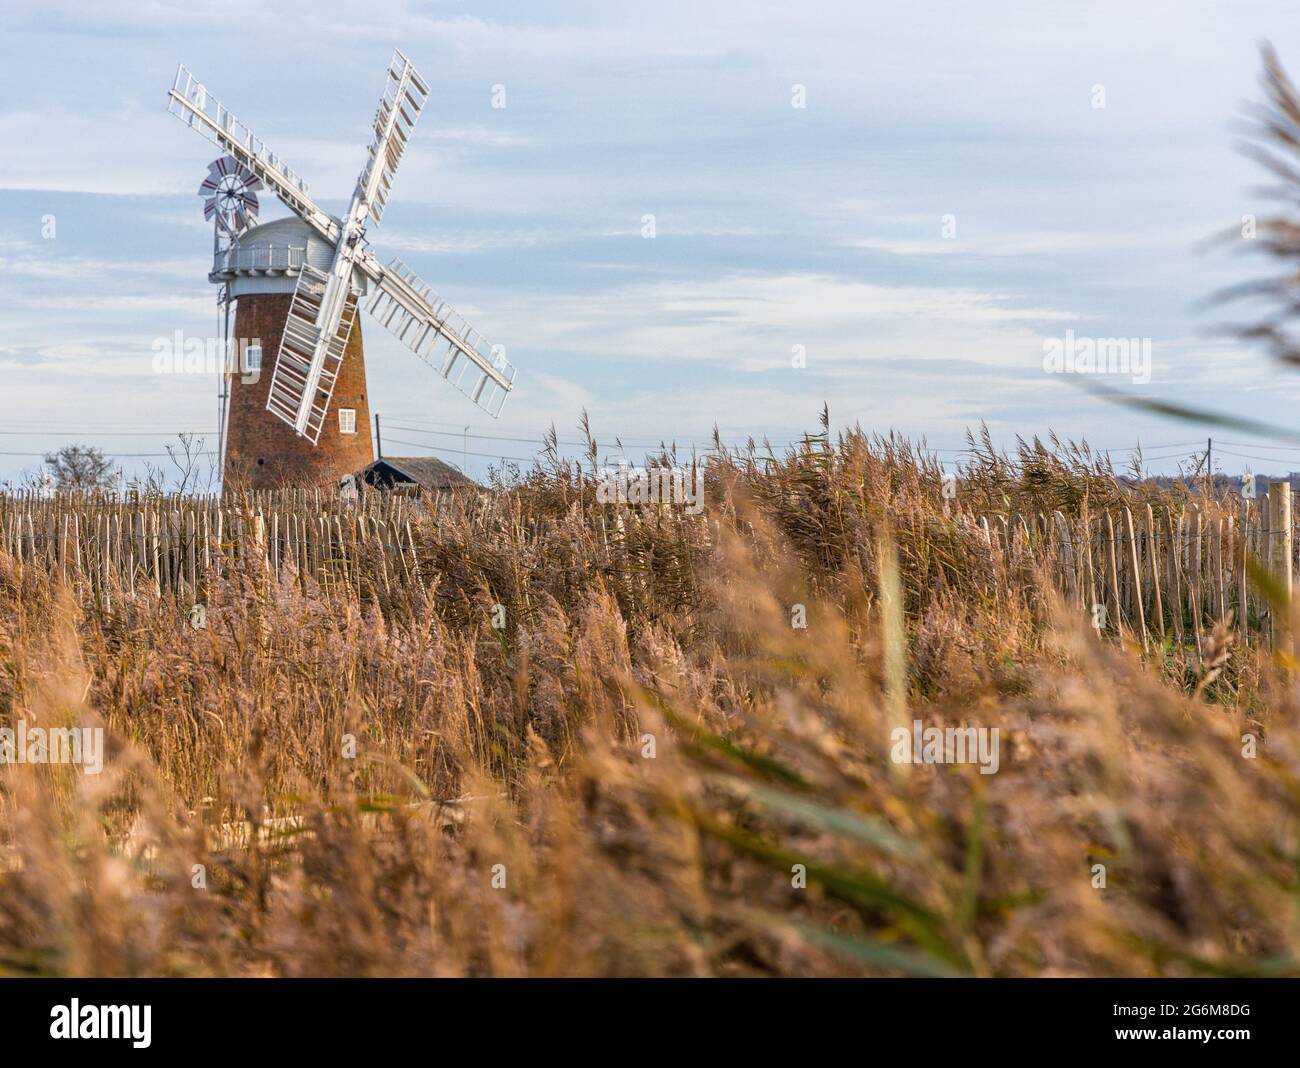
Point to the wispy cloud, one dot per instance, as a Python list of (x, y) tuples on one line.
[(753, 321)]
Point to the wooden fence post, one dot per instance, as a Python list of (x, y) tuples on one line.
[(1239, 565), (1112, 571), (1135, 584), (1279, 530), (1153, 554)]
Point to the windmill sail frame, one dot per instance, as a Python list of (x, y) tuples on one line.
[(434, 331)]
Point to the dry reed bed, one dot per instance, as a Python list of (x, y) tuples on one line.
[(656, 748)]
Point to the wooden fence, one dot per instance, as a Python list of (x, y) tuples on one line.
[(172, 545), (1167, 573), (1158, 575)]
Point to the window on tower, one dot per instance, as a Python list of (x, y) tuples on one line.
[(347, 420), (252, 359)]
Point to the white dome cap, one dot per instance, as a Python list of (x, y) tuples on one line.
[(267, 258)]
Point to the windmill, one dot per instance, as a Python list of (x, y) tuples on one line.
[(301, 281)]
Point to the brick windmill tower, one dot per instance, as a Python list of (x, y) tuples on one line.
[(259, 273), (297, 284)]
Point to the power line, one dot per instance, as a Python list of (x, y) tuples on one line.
[(427, 429), (577, 444), (667, 440), (1255, 445), (1142, 448), (105, 433), (462, 452), (1167, 456), (86, 432), (1262, 459), (117, 455)]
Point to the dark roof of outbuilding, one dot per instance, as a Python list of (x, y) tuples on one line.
[(429, 472)]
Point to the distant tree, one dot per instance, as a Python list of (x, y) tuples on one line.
[(80, 467)]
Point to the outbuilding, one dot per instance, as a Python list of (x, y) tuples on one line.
[(413, 475)]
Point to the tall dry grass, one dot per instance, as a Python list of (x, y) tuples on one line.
[(649, 754)]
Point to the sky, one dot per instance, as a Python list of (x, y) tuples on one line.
[(888, 209)]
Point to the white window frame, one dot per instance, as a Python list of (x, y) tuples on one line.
[(252, 363), (347, 420)]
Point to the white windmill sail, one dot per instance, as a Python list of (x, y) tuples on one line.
[(321, 315), (400, 105), (190, 101), (430, 328), (307, 364), (305, 371), (323, 310)]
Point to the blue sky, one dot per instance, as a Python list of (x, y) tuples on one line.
[(776, 226)]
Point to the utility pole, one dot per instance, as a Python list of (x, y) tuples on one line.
[(379, 442)]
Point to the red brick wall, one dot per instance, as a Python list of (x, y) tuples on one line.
[(262, 451)]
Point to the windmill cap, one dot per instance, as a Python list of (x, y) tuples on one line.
[(269, 257)]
